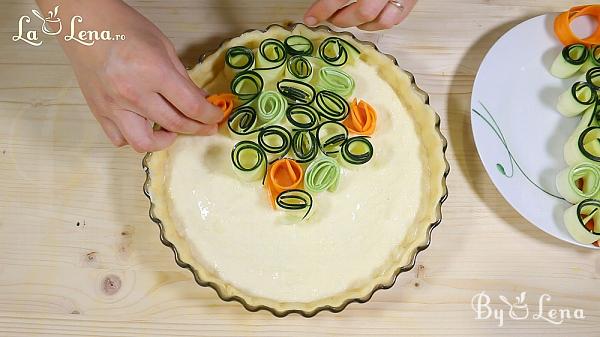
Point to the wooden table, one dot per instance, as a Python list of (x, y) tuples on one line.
[(79, 256)]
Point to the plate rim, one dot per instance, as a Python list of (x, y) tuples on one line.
[(473, 102)]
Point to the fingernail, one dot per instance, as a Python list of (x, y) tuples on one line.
[(311, 21), (218, 116)]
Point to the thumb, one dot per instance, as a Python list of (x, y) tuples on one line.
[(190, 100), (321, 10)]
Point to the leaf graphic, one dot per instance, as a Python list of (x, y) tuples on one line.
[(491, 122), (501, 169)]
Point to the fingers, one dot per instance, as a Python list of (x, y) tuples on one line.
[(112, 131), (365, 14), (167, 116), (322, 10), (200, 129), (389, 17), (110, 128), (358, 13), (180, 91), (140, 135)]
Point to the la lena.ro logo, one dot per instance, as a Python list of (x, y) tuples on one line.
[(52, 25), (519, 310)]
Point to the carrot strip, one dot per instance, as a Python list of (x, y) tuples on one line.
[(283, 175), (362, 118), (223, 101), (562, 25)]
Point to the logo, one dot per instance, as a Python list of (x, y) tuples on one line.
[(52, 25), (519, 310)]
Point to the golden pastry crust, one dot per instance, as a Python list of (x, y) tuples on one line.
[(403, 256)]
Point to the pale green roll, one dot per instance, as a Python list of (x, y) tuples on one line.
[(566, 182), (323, 174), (336, 80), (270, 107)]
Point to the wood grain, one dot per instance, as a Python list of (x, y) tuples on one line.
[(79, 256)]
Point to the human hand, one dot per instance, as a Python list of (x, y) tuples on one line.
[(364, 14), (131, 84)]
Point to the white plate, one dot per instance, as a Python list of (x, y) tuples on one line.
[(514, 116)]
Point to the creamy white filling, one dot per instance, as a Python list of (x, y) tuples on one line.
[(233, 230)]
